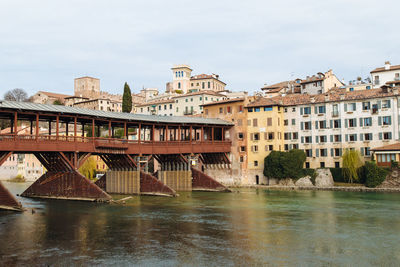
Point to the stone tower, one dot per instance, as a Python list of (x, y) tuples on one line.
[(87, 87), (181, 78)]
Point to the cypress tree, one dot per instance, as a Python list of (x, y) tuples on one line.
[(127, 99)]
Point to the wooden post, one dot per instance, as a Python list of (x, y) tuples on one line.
[(75, 127), (57, 127), (139, 133), (37, 126), (15, 124), (109, 130), (179, 134), (83, 130), (202, 134), (190, 133), (223, 134), (153, 131), (93, 129), (166, 133), (31, 127), (49, 128), (125, 132), (212, 134), (67, 128)]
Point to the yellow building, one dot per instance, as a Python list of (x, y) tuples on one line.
[(265, 130)]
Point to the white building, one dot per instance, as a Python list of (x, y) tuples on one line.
[(320, 83), (385, 75)]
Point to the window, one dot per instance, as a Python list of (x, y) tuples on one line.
[(241, 159), (321, 109), (256, 136), (307, 139), (293, 109), (254, 148), (351, 89), (286, 147), (208, 84), (307, 110), (179, 85), (293, 121), (165, 107), (387, 136), (285, 110), (270, 136), (221, 110), (256, 109), (366, 105), (386, 120), (322, 164), (367, 121), (255, 163), (336, 124), (365, 151), (159, 107), (386, 104), (202, 85), (271, 147), (307, 125), (287, 136), (286, 122), (337, 164), (376, 80), (242, 149), (352, 123), (337, 152), (268, 108), (337, 138), (250, 110), (322, 139), (228, 109), (322, 124), (350, 107), (309, 153), (352, 137), (269, 121), (367, 136), (335, 110), (240, 108), (323, 152), (255, 122)]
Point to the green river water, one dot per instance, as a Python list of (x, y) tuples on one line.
[(249, 227)]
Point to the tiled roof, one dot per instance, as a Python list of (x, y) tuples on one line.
[(232, 100), (205, 76), (156, 102), (55, 95), (202, 92), (395, 67), (392, 147), (334, 95), (312, 79)]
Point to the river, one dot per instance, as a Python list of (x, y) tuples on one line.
[(249, 227)]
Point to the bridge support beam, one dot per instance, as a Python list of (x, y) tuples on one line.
[(203, 182), (8, 201), (63, 181)]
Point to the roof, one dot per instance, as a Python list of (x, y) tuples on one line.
[(86, 77), (58, 109), (156, 102), (392, 147), (205, 76), (55, 95), (395, 67), (71, 97), (226, 101), (202, 92), (334, 95), (312, 79)]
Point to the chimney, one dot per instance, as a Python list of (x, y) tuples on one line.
[(387, 65)]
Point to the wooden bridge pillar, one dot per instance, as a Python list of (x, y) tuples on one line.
[(7, 200), (63, 181)]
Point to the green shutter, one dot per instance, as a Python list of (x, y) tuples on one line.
[(361, 122), (345, 107), (361, 137), (380, 136), (331, 138), (379, 120), (331, 124)]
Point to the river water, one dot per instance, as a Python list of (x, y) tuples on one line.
[(250, 227)]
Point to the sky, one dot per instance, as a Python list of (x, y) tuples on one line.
[(45, 44)]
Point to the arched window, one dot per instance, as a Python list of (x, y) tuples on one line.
[(179, 85)]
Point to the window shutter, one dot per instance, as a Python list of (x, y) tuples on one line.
[(302, 139), (317, 153), (316, 124), (346, 121), (325, 124), (379, 104), (361, 122), (310, 152), (361, 137), (355, 122), (331, 138), (380, 136), (389, 103), (379, 120), (310, 125), (370, 136), (316, 139), (340, 152), (355, 137), (266, 147), (345, 107), (390, 135), (252, 137), (265, 136), (290, 136), (332, 152), (302, 125), (331, 124), (301, 111), (316, 110), (362, 151), (347, 137), (390, 120), (340, 123)]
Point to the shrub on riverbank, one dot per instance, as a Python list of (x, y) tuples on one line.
[(374, 175), (18, 179), (282, 165)]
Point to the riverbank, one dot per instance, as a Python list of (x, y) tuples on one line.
[(315, 188)]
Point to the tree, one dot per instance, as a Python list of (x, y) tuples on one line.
[(16, 94), (58, 102), (351, 162), (375, 175), (88, 169), (127, 99), (285, 164)]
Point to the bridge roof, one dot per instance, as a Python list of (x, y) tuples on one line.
[(59, 109)]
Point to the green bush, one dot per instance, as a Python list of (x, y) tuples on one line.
[(394, 164), (285, 164), (374, 175), (337, 174)]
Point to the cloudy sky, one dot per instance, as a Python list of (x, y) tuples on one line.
[(45, 44)]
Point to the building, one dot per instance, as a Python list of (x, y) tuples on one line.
[(42, 97), (384, 155), (264, 134), (385, 75), (233, 110), (157, 107), (100, 104), (87, 87), (320, 83), (184, 82), (286, 87)]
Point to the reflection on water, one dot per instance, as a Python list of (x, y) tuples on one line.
[(248, 227)]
